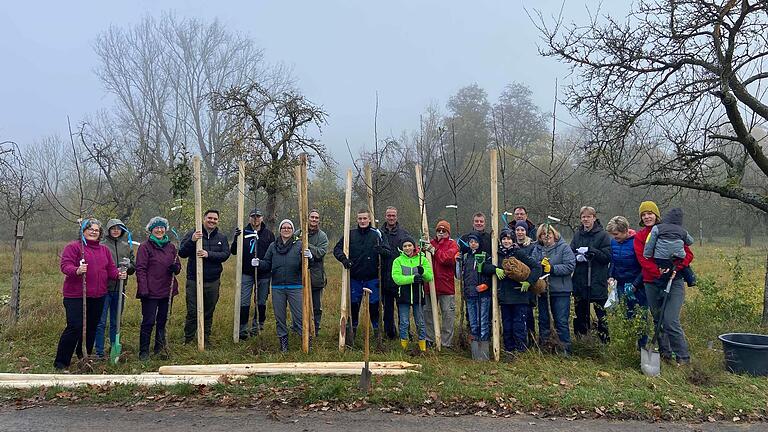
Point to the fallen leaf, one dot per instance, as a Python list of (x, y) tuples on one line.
[(603, 374)]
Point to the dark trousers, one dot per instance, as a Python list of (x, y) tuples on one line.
[(154, 313), (374, 311), (582, 320), (317, 308), (71, 338), (513, 320), (390, 307), (210, 298)]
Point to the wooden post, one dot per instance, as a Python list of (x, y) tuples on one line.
[(344, 291), (306, 292), (305, 194), (425, 229), (369, 192), (494, 253), (198, 248), (16, 283), (239, 249)]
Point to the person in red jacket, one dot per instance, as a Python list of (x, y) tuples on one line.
[(443, 251), (85, 258), (157, 263), (672, 340)]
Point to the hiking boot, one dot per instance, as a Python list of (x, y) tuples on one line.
[(283, 344), (144, 355), (243, 336), (349, 339)]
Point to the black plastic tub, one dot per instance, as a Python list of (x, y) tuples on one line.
[(746, 353)]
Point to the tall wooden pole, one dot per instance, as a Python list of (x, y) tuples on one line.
[(425, 230), (16, 283), (239, 249), (344, 291), (198, 248), (369, 192), (305, 212), (306, 293), (494, 252)]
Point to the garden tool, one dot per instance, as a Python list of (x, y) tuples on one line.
[(117, 347), (650, 359), (365, 376)]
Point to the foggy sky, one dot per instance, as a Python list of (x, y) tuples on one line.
[(411, 52)]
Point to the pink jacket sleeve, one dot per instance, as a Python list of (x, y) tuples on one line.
[(70, 259)]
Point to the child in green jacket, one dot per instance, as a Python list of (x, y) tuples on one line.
[(409, 271)]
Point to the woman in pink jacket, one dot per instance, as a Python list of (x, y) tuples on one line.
[(84, 258)]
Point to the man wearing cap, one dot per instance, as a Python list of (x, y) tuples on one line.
[(256, 240), (443, 251), (318, 246), (395, 234)]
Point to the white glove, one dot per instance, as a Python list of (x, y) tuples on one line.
[(255, 262), (307, 254), (581, 258), (582, 250)]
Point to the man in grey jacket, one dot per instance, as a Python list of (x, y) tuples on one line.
[(318, 245)]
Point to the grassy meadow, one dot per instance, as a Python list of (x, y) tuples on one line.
[(597, 381)]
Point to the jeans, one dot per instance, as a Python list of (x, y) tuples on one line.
[(111, 302), (447, 308), (287, 298), (514, 319), (479, 311), (582, 320), (210, 298), (561, 309), (672, 339), (72, 336), (404, 312), (356, 289), (154, 314)]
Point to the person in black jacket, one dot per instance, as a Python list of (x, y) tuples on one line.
[(478, 229), (215, 251), (592, 247), (366, 244), (256, 240), (395, 234)]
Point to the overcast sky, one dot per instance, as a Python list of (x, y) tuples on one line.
[(343, 52)]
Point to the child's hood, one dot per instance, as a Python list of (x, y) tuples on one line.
[(674, 216)]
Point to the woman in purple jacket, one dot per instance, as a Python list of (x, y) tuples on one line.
[(85, 258), (157, 263)]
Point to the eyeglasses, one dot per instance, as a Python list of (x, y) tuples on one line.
[(441, 231), (93, 230)]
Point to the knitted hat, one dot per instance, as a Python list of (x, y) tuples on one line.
[(473, 236), (442, 223), (522, 224), (506, 233), (649, 206), (407, 239), (157, 221), (286, 221)]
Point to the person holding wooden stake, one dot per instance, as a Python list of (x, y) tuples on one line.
[(215, 251), (365, 245), (443, 250), (318, 246), (395, 234), (477, 294), (283, 260), (409, 271)]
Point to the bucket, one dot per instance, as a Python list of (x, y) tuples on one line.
[(746, 353)]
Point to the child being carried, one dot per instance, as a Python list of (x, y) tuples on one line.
[(666, 245)]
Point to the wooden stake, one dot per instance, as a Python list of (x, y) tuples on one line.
[(425, 229), (494, 252), (239, 249), (16, 283), (369, 192), (306, 292), (305, 193), (198, 248), (344, 291)]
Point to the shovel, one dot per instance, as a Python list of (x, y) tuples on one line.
[(365, 376), (117, 347), (650, 359)]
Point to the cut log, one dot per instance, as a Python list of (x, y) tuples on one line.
[(354, 365), (269, 371), (64, 380)]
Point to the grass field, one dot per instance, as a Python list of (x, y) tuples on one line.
[(596, 381)]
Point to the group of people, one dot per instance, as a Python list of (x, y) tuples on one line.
[(535, 268)]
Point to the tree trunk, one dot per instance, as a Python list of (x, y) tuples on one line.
[(748, 237), (765, 296), (16, 284), (270, 213)]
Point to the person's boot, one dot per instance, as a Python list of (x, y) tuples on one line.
[(349, 340), (283, 344), (475, 347), (376, 334), (423, 346), (484, 351), (160, 350), (262, 317), (404, 344), (144, 346), (244, 312)]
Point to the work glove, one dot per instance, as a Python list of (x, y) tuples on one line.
[(582, 250), (417, 278), (589, 255), (524, 286), (581, 258), (307, 254), (545, 265), (255, 262), (500, 273), (174, 268), (346, 263), (420, 269), (236, 233)]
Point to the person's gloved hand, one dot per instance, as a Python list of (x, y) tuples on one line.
[(417, 278), (420, 269), (255, 262), (545, 265), (174, 268), (581, 258), (500, 273), (346, 263), (582, 250), (524, 286), (307, 254), (589, 255), (236, 233)]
